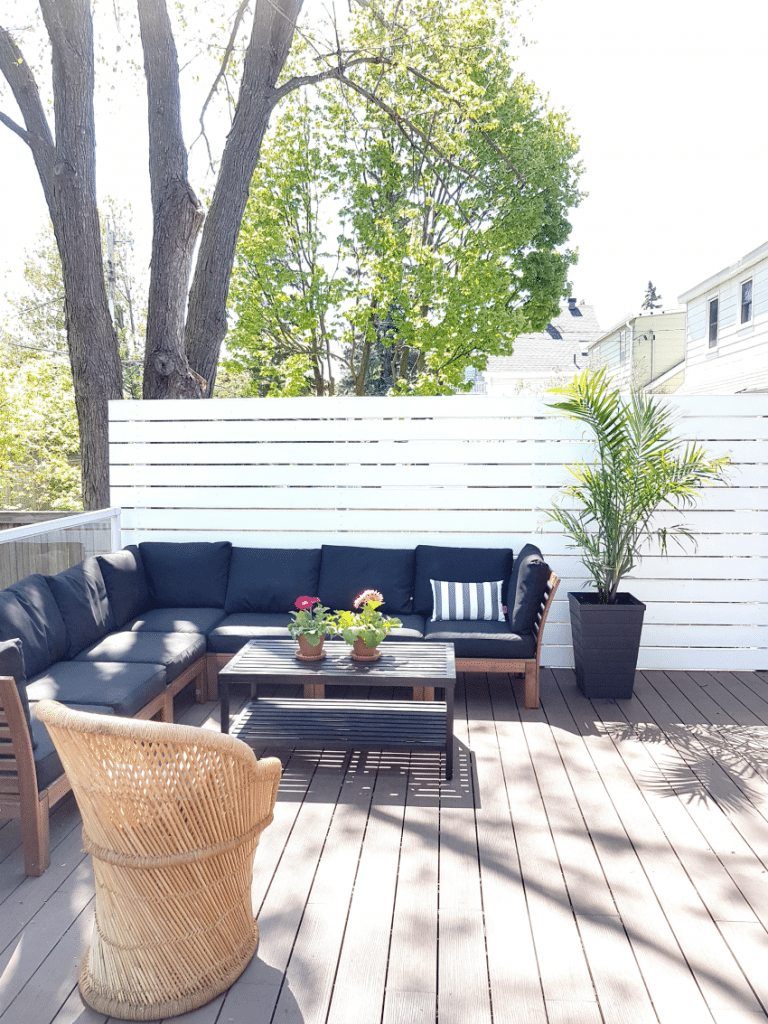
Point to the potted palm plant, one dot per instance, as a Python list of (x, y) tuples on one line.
[(639, 469)]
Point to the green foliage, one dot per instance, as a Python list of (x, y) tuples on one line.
[(366, 623), (39, 439), (409, 226), (312, 621), (640, 467)]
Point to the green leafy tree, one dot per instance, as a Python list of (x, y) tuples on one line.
[(407, 58), (403, 253), (39, 439)]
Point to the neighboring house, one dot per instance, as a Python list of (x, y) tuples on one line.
[(727, 334), (543, 360), (644, 352)]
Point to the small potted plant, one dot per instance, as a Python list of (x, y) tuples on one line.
[(640, 467), (366, 627), (310, 625)]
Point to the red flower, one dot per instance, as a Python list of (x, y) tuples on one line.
[(366, 596), (305, 603)]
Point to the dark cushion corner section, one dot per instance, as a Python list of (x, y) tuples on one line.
[(28, 611), (81, 596), (459, 565), (270, 579), (187, 575), (126, 583), (526, 589), (346, 571)]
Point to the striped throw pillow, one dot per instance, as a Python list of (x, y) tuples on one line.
[(467, 601)]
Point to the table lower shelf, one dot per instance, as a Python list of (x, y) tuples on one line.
[(347, 725)]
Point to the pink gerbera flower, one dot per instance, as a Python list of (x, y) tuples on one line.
[(366, 596), (305, 603)]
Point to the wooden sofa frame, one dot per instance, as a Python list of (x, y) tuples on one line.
[(19, 795), (527, 666)]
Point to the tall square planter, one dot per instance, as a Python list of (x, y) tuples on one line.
[(606, 642)]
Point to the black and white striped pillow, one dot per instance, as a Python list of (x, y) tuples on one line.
[(466, 601)]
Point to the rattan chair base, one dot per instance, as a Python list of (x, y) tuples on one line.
[(184, 1002)]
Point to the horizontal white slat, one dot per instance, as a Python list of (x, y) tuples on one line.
[(259, 431), (687, 567), (352, 453), (716, 513), (716, 428), (686, 613), (459, 406), (339, 476), (347, 408), (703, 546), (307, 539), (674, 635)]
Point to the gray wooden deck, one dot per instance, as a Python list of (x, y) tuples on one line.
[(590, 862)]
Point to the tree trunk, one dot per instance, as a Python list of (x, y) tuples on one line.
[(91, 336), (176, 214), (273, 27)]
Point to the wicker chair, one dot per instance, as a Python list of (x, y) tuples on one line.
[(171, 816)]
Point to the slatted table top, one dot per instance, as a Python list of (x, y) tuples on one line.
[(400, 664)]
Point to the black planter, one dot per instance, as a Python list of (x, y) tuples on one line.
[(606, 641)]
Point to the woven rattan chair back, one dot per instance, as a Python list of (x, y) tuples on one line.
[(171, 816)]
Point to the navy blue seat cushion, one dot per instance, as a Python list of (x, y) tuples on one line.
[(125, 688), (346, 571), (236, 630), (29, 612), (81, 597), (12, 664), (177, 620), (270, 579), (47, 764), (192, 575), (481, 640), (412, 628), (126, 583), (526, 589), (460, 565), (176, 651)]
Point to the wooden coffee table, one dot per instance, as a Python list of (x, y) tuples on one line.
[(414, 725)]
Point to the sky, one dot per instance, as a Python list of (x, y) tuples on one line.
[(667, 97)]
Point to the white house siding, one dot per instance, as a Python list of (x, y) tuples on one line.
[(739, 361), (469, 470)]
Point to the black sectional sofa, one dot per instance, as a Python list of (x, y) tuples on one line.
[(123, 633)]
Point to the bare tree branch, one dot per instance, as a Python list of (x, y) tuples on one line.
[(219, 76), (37, 136)]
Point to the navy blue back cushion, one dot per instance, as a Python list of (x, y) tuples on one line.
[(29, 612), (81, 596), (347, 571), (192, 575), (12, 664), (458, 565), (270, 579), (127, 589), (526, 589)]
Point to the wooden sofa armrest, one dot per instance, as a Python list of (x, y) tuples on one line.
[(19, 796)]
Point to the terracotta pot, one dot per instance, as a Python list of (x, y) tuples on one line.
[(360, 652), (309, 653)]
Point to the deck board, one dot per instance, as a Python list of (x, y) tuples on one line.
[(591, 861)]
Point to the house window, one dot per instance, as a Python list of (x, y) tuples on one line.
[(713, 304), (746, 301)]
